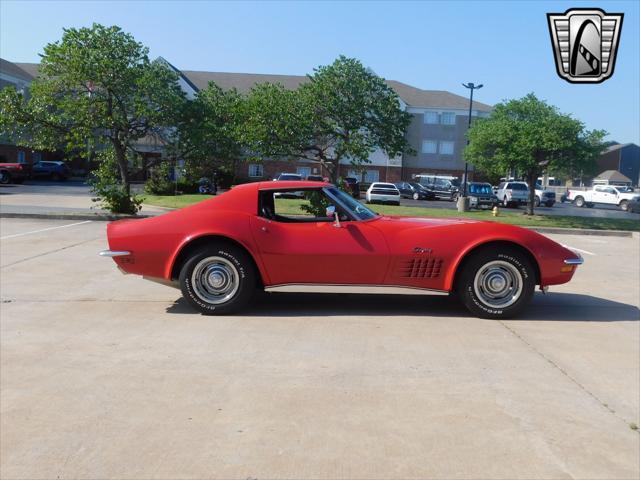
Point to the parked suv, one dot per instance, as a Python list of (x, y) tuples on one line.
[(447, 188), (481, 195), (544, 197), (513, 193), (52, 170), (13, 173)]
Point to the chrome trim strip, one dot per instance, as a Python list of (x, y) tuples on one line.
[(358, 289), (574, 261), (114, 253)]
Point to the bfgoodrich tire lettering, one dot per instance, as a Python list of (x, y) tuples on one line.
[(218, 280), (496, 282)]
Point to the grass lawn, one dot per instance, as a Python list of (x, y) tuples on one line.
[(514, 217)]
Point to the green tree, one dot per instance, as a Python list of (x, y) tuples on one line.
[(96, 88), (343, 111), (206, 135), (530, 136)]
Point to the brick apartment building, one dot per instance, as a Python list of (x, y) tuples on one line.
[(437, 132), (12, 75)]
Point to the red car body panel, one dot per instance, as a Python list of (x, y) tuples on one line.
[(395, 251)]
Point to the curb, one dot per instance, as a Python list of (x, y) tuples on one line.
[(585, 231), (105, 217)]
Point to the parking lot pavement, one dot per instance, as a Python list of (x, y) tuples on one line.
[(566, 209), (105, 375)]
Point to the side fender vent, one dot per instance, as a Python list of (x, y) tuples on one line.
[(420, 268)]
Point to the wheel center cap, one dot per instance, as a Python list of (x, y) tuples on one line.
[(497, 283), (216, 280)]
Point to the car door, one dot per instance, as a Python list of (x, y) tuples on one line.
[(319, 252)]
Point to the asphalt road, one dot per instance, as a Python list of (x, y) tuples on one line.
[(111, 376)]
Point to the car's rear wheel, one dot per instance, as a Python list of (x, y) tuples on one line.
[(496, 282), (624, 205), (218, 280), (579, 201), (5, 178)]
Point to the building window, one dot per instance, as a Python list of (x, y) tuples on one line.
[(431, 117), (372, 176), (448, 118), (304, 172), (256, 170), (429, 146), (21, 157), (446, 148)]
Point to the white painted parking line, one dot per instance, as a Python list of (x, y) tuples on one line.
[(44, 230), (578, 250)]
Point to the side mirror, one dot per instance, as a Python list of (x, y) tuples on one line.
[(331, 212)]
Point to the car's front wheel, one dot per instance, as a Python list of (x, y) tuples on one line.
[(416, 196), (496, 282), (218, 280), (624, 205)]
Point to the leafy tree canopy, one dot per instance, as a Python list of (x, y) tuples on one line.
[(344, 111), (96, 86), (530, 136)]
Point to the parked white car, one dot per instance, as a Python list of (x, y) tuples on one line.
[(383, 193), (605, 194), (296, 177), (512, 193)]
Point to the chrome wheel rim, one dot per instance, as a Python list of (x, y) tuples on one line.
[(215, 280), (498, 284)]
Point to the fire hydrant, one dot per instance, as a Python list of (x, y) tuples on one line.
[(495, 211)]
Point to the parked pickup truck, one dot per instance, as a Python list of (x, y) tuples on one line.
[(512, 193), (605, 194), (13, 173)]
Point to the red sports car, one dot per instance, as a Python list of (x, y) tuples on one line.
[(220, 251)]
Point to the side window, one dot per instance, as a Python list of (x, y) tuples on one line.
[(610, 190), (305, 206)]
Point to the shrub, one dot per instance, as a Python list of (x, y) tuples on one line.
[(160, 183), (110, 193)]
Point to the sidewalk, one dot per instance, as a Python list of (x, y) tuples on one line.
[(63, 201)]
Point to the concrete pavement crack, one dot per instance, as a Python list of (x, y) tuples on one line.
[(50, 252), (566, 374)]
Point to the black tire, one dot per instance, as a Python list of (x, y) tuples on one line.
[(416, 196), (5, 178), (549, 204), (624, 205), (230, 257), (579, 201), (509, 262), (536, 202), (55, 177)]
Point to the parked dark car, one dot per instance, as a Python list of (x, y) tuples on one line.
[(51, 170), (353, 186), (634, 205), (443, 188), (414, 190), (481, 195), (315, 178)]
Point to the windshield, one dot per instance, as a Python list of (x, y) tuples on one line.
[(474, 188), (357, 209)]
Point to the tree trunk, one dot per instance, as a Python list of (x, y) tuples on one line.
[(123, 167), (532, 177)]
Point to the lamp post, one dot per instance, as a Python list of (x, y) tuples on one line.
[(465, 202)]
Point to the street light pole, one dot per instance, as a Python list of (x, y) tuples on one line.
[(471, 87)]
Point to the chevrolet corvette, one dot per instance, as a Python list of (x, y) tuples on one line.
[(219, 252)]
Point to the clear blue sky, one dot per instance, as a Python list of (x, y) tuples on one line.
[(431, 45)]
